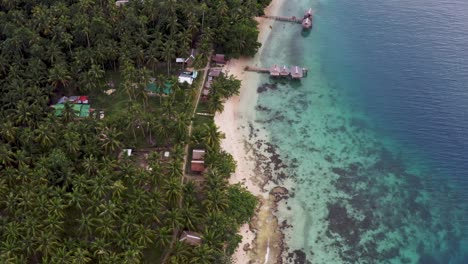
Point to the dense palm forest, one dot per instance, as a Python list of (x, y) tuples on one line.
[(67, 195)]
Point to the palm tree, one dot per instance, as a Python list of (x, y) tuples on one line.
[(90, 165), (71, 142), (190, 216), (213, 239), (48, 242), (86, 225), (216, 200), (68, 113), (61, 255), (174, 218), (180, 253), (215, 103), (212, 137), (168, 52), (203, 254), (23, 113), (215, 181), (59, 75), (163, 236), (173, 189), (110, 139), (8, 131), (80, 256), (6, 155)]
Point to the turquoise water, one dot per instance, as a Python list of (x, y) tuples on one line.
[(372, 144)]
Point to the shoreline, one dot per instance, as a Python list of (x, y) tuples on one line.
[(262, 239)]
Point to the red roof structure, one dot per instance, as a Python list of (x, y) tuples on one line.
[(197, 166), (219, 58), (214, 72)]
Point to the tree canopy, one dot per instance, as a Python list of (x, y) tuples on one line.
[(67, 194)]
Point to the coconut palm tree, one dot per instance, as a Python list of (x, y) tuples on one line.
[(163, 236), (109, 139), (211, 136), (173, 190), (59, 75), (203, 254)]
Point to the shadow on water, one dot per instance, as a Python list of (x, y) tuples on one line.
[(305, 32)]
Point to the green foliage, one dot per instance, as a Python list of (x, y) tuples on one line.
[(241, 203), (66, 194)]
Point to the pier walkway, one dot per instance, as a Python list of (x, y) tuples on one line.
[(294, 72), (292, 19)]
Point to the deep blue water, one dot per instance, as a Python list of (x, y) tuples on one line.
[(405, 65), (378, 130), (410, 65)]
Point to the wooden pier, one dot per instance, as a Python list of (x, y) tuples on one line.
[(294, 72), (292, 19), (306, 20)]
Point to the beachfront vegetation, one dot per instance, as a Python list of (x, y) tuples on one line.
[(68, 192)]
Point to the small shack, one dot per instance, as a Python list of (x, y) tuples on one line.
[(191, 238), (198, 154), (274, 70), (218, 59), (121, 2), (296, 72), (197, 166), (214, 72), (284, 71)]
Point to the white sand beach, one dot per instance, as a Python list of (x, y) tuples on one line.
[(232, 122)]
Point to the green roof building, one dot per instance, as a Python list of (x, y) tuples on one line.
[(81, 110), (153, 88)]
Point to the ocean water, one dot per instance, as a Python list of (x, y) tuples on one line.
[(373, 144)]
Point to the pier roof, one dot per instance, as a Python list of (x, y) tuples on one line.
[(284, 71), (274, 70), (296, 72)]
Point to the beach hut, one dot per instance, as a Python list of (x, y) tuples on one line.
[(214, 72), (198, 154), (197, 166), (121, 3), (296, 72), (218, 59), (191, 238), (284, 71), (274, 70)]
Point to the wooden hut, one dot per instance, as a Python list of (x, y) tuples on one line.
[(218, 59), (214, 72), (121, 3), (198, 154), (296, 72), (284, 71), (274, 70), (191, 238), (197, 166)]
